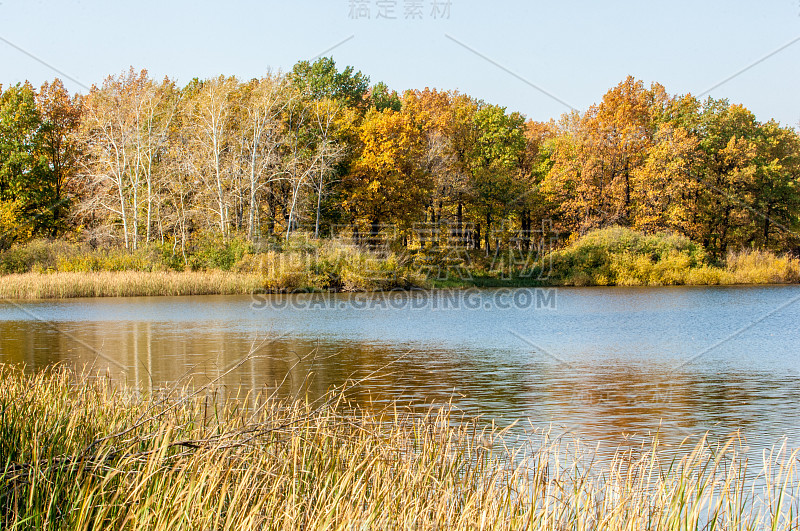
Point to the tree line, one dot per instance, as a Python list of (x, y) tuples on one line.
[(138, 160)]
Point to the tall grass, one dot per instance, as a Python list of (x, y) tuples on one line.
[(81, 454), (127, 284)]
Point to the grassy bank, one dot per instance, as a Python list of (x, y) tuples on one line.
[(607, 257), (78, 454), (127, 284), (56, 269)]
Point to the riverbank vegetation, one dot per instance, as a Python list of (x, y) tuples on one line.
[(58, 269), (623, 257), (616, 256), (76, 452), (222, 174)]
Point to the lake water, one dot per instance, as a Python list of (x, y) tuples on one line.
[(605, 364)]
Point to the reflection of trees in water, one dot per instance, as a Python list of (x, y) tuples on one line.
[(35, 344), (596, 401), (157, 355)]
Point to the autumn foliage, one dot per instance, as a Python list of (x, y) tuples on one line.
[(139, 161)]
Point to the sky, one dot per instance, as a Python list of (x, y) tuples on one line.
[(538, 58)]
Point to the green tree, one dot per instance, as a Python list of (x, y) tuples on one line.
[(383, 98), (727, 141), (495, 164), (321, 79), (774, 191), (27, 193)]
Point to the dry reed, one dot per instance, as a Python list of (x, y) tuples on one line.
[(82, 454), (126, 284)]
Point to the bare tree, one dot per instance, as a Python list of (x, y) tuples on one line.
[(263, 136), (209, 131)]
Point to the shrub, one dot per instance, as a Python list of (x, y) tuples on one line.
[(620, 256), (111, 260), (624, 257), (212, 252), (46, 256), (40, 254)]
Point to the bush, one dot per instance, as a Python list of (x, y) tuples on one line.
[(212, 252), (624, 257), (761, 267), (620, 256), (112, 260), (301, 263), (46, 256), (38, 254)]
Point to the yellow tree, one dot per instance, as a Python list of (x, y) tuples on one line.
[(665, 187), (386, 182), (432, 111)]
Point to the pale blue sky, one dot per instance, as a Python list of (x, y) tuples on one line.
[(575, 50)]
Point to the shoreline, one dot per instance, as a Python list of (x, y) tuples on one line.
[(69, 285)]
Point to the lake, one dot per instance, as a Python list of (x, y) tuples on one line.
[(604, 364)]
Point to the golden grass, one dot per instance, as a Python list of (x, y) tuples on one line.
[(80, 454), (760, 267), (126, 284)]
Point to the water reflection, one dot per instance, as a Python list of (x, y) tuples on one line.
[(623, 373)]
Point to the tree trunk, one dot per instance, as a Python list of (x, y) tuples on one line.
[(460, 223), (373, 234), (488, 234), (767, 215), (526, 230)]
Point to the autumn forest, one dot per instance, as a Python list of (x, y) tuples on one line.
[(139, 161)]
